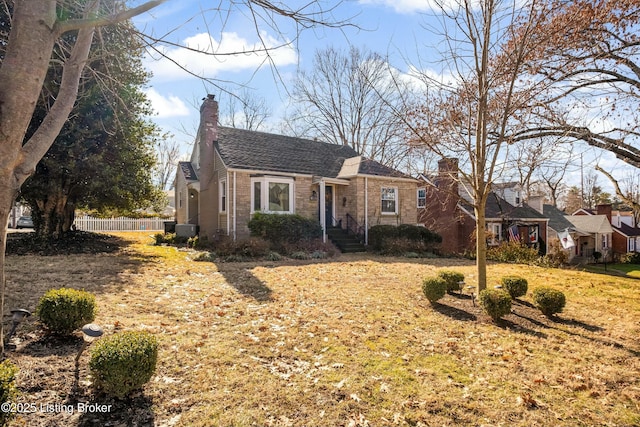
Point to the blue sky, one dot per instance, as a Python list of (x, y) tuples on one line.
[(392, 28)]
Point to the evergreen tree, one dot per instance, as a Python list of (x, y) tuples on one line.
[(103, 157)]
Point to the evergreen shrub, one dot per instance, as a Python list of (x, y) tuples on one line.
[(495, 302), (124, 362), (516, 286), (64, 310), (434, 288), (550, 301)]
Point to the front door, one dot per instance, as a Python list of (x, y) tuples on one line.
[(328, 205)]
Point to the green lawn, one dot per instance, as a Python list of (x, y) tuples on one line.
[(628, 270)]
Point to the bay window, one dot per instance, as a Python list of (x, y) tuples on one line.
[(273, 195)]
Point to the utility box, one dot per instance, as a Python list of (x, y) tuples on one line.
[(186, 230)]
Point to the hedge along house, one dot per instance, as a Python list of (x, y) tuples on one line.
[(234, 173)]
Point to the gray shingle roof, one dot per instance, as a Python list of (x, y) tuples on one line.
[(244, 149), (497, 207), (188, 171), (557, 220)]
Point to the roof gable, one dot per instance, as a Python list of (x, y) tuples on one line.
[(557, 218), (591, 223)]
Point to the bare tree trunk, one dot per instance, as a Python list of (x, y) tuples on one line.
[(33, 30), (481, 242), (4, 219)]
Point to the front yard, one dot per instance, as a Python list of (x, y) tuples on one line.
[(349, 341)]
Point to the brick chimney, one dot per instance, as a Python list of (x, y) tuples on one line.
[(448, 174), (605, 209), (207, 135), (537, 203)]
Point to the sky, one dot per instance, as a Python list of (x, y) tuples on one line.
[(396, 29), (389, 29)]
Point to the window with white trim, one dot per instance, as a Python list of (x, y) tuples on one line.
[(389, 200), (273, 195), (422, 197), (495, 233), (223, 195)]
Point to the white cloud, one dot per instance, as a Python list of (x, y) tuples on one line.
[(167, 106), (207, 57), (415, 6)]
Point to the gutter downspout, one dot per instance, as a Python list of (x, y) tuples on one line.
[(235, 219), (366, 211), (323, 216), (228, 215)]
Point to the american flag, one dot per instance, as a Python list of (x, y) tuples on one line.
[(514, 234)]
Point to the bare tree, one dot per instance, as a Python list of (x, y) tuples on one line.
[(36, 27), (245, 111), (471, 118), (553, 173), (593, 73), (168, 154), (351, 98), (628, 191)]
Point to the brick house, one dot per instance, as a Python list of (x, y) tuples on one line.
[(233, 173), (443, 208)]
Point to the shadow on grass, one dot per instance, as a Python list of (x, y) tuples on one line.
[(51, 345), (453, 312), (244, 281), (578, 323), (507, 324)]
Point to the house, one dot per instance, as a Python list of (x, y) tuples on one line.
[(233, 173), (625, 235), (559, 227), (597, 235), (446, 210)]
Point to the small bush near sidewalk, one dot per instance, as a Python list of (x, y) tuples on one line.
[(64, 310), (454, 279), (8, 390), (434, 288), (550, 301), (495, 302), (516, 286), (124, 362), (630, 258)]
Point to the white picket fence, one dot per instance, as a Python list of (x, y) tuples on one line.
[(89, 223)]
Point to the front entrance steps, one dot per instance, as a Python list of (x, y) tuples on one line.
[(347, 243)]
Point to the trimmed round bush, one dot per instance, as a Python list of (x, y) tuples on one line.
[(452, 278), (495, 302), (64, 310), (434, 288), (516, 286), (550, 301), (124, 362), (8, 389)]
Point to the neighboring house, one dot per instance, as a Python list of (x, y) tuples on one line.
[(558, 223), (625, 235), (597, 235), (234, 173), (509, 191), (447, 212)]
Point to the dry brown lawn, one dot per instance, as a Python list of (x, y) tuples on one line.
[(349, 341)]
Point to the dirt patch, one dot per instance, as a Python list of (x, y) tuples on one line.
[(75, 242)]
